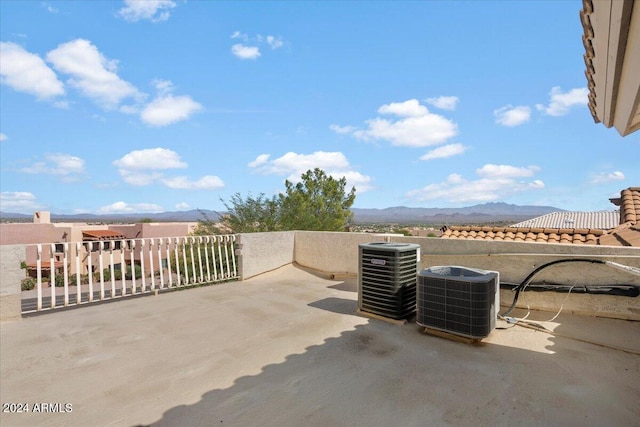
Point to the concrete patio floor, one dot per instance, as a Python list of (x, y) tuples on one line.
[(286, 349)]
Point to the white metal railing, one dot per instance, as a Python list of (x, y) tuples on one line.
[(92, 271)]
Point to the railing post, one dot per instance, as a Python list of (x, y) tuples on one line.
[(39, 276), (78, 274), (160, 267), (52, 274), (123, 267), (132, 265), (89, 246), (65, 272), (206, 256), (101, 267), (153, 279), (142, 270), (112, 269)]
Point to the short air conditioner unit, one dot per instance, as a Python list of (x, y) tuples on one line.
[(387, 278), (458, 300)]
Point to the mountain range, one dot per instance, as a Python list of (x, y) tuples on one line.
[(486, 212)]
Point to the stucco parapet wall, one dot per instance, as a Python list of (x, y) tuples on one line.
[(12, 274), (262, 252), (515, 260), (337, 252), (333, 252)]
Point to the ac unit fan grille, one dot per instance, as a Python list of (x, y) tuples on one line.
[(388, 281), (454, 305)]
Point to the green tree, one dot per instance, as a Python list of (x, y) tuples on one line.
[(318, 202), (252, 214)]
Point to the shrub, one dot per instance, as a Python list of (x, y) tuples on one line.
[(59, 281), (137, 272), (28, 283), (73, 279), (117, 275)]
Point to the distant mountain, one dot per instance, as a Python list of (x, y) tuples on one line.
[(487, 212), (178, 216)]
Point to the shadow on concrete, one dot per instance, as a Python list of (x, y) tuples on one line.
[(337, 305), (381, 374)]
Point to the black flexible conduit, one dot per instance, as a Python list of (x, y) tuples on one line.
[(531, 275)]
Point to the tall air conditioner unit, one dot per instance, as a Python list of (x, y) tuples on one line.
[(458, 300), (387, 278)]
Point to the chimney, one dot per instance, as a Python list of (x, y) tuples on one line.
[(42, 217)]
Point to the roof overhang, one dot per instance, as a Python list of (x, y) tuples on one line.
[(612, 57), (102, 235)]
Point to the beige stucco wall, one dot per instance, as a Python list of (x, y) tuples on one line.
[(12, 274), (338, 253), (262, 252), (332, 252)]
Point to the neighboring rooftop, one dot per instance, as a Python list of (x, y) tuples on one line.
[(287, 348), (582, 230), (602, 220), (525, 234)]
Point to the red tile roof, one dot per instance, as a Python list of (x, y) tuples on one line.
[(587, 236), (46, 265)]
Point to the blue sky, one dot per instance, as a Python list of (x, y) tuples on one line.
[(149, 106)]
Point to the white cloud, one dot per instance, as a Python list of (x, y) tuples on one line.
[(182, 206), (208, 182), (445, 151), (66, 166), (239, 35), (163, 87), (506, 171), (608, 177), (3, 137), (150, 159), (169, 109), (294, 165), (152, 10), (410, 108), (27, 72), (416, 127), (122, 207), (245, 52), (495, 183), (342, 129), (250, 46), (444, 102), (144, 167), (49, 7), (274, 42), (17, 201), (561, 102), (138, 178), (91, 73), (260, 160), (512, 116)]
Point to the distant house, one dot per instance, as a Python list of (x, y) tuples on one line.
[(62, 242), (625, 233)]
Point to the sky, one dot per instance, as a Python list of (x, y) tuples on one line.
[(168, 105)]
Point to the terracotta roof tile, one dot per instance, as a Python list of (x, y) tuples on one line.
[(525, 234)]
